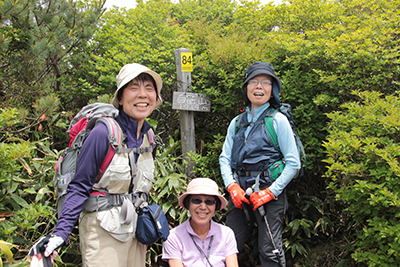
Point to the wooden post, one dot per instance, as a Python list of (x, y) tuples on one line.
[(186, 117)]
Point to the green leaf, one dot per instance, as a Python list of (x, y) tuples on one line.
[(6, 250), (30, 191), (20, 201), (295, 226)]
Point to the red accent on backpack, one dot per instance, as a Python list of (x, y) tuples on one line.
[(76, 129)]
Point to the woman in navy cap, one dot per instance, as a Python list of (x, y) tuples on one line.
[(247, 162)]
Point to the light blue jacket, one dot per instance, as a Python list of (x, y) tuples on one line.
[(286, 143)]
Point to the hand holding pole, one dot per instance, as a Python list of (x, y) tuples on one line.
[(237, 195)]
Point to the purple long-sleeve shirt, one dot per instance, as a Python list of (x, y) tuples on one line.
[(92, 154)]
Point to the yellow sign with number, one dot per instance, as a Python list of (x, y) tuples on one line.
[(186, 61)]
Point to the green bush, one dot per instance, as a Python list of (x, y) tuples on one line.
[(169, 183), (206, 162), (363, 152), (26, 171)]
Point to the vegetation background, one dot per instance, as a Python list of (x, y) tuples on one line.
[(339, 64)]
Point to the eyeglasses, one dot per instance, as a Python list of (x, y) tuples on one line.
[(198, 201), (264, 83)]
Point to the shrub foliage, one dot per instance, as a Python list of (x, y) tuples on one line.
[(363, 152)]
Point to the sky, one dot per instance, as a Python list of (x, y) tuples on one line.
[(131, 3)]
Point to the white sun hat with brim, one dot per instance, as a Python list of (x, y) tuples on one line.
[(130, 72), (202, 186)]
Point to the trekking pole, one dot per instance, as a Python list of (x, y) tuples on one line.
[(261, 210), (46, 261)]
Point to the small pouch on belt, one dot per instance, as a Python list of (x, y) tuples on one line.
[(127, 210)]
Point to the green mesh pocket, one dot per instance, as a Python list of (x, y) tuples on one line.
[(277, 169)]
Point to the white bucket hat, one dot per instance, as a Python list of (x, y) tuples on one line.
[(202, 186), (130, 72)]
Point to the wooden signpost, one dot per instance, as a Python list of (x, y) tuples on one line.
[(187, 102), (191, 101)]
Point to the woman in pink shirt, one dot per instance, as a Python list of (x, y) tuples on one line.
[(200, 241)]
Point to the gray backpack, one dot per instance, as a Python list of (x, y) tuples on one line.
[(83, 122)]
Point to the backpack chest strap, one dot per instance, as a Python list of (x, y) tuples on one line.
[(136, 150)]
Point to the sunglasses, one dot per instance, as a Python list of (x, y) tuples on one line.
[(198, 201)]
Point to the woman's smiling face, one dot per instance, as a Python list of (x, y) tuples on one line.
[(201, 213), (138, 99), (259, 90)]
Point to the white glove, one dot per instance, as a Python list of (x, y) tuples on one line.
[(54, 243), (46, 245)]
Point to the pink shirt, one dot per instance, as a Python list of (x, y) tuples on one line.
[(180, 245)]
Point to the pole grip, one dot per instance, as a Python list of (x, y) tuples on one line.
[(261, 210), (246, 206), (46, 261)]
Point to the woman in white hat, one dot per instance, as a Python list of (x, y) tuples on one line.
[(106, 235), (200, 241)]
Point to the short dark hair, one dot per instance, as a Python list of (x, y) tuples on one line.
[(186, 202), (141, 77)]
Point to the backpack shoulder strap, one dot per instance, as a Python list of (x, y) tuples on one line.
[(238, 120), (109, 156), (115, 133), (240, 124), (115, 137), (270, 127), (151, 137), (149, 143)]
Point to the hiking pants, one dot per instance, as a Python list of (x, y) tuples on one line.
[(275, 211), (99, 248)]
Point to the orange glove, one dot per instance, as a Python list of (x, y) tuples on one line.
[(260, 198), (237, 195)]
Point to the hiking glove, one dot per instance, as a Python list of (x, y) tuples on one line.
[(46, 245), (44, 248), (261, 197), (54, 243), (237, 195)]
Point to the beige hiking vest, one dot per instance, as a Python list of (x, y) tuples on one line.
[(120, 221)]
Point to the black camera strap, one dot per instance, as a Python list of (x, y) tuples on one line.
[(202, 252)]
